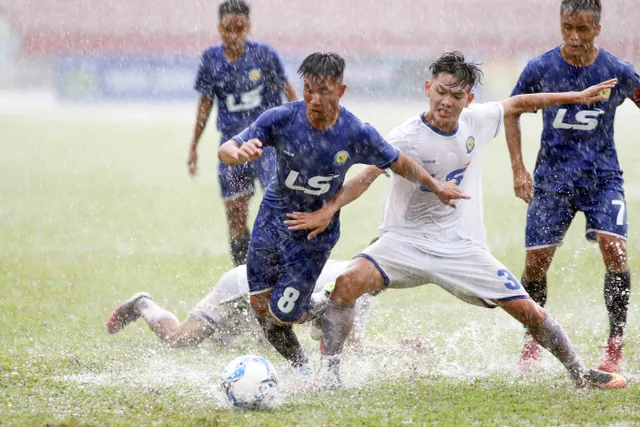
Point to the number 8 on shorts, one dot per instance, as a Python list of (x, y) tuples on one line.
[(287, 301)]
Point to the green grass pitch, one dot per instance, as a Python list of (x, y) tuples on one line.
[(96, 204)]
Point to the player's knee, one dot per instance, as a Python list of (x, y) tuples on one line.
[(260, 305), (614, 252), (189, 333), (349, 286)]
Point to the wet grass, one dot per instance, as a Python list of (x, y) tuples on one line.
[(96, 206)]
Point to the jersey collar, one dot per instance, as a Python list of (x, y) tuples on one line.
[(435, 129)]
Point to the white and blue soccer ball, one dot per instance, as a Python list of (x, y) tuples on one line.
[(250, 382)]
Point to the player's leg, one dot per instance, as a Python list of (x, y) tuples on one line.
[(605, 211), (280, 336), (263, 272), (390, 260), (161, 321), (550, 335), (360, 277), (548, 218), (191, 332), (473, 274), (295, 270), (264, 265), (236, 184), (237, 210), (546, 332)]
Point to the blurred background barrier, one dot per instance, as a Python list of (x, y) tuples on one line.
[(144, 49)]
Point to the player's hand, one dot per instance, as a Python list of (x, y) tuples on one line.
[(523, 185), (449, 191), (192, 162), (317, 221), (250, 151), (596, 93)]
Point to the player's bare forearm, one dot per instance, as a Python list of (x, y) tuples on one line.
[(353, 188), (204, 110), (522, 181), (290, 92), (519, 104), (228, 153), (410, 170), (319, 220), (514, 140), (233, 154)]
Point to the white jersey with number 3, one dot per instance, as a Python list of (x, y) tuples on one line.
[(415, 211)]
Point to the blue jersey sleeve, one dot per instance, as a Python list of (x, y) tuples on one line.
[(528, 82), (266, 126), (629, 82), (275, 70), (205, 79), (372, 149)]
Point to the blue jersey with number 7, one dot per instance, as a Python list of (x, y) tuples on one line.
[(577, 145)]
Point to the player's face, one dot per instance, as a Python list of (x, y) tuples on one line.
[(447, 99), (579, 32), (234, 30), (322, 98)]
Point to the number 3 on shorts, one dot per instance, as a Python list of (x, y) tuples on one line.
[(288, 299), (512, 283)]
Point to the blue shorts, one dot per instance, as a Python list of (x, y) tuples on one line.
[(550, 214), (279, 263), (239, 180)]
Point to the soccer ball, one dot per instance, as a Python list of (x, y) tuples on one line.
[(250, 382)]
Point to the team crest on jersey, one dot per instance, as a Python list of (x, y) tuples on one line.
[(255, 74), (340, 158), (471, 144), (606, 93)]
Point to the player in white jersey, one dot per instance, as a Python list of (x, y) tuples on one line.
[(223, 315), (425, 241)]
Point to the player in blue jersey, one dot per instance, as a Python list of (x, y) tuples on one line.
[(577, 167), (246, 78), (316, 142)]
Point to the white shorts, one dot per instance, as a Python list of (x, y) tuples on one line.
[(227, 320), (461, 267)]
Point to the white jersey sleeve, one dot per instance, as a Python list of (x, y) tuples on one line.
[(485, 120), (401, 136)]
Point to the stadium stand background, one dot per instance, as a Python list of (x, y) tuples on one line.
[(387, 43)]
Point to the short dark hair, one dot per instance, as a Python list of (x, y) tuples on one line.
[(233, 7), (323, 65), (467, 74), (573, 6)]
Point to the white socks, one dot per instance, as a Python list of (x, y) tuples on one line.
[(153, 313)]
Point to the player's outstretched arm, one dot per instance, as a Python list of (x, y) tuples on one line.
[(446, 191), (204, 110), (319, 220), (519, 104), (522, 182), (232, 154)]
